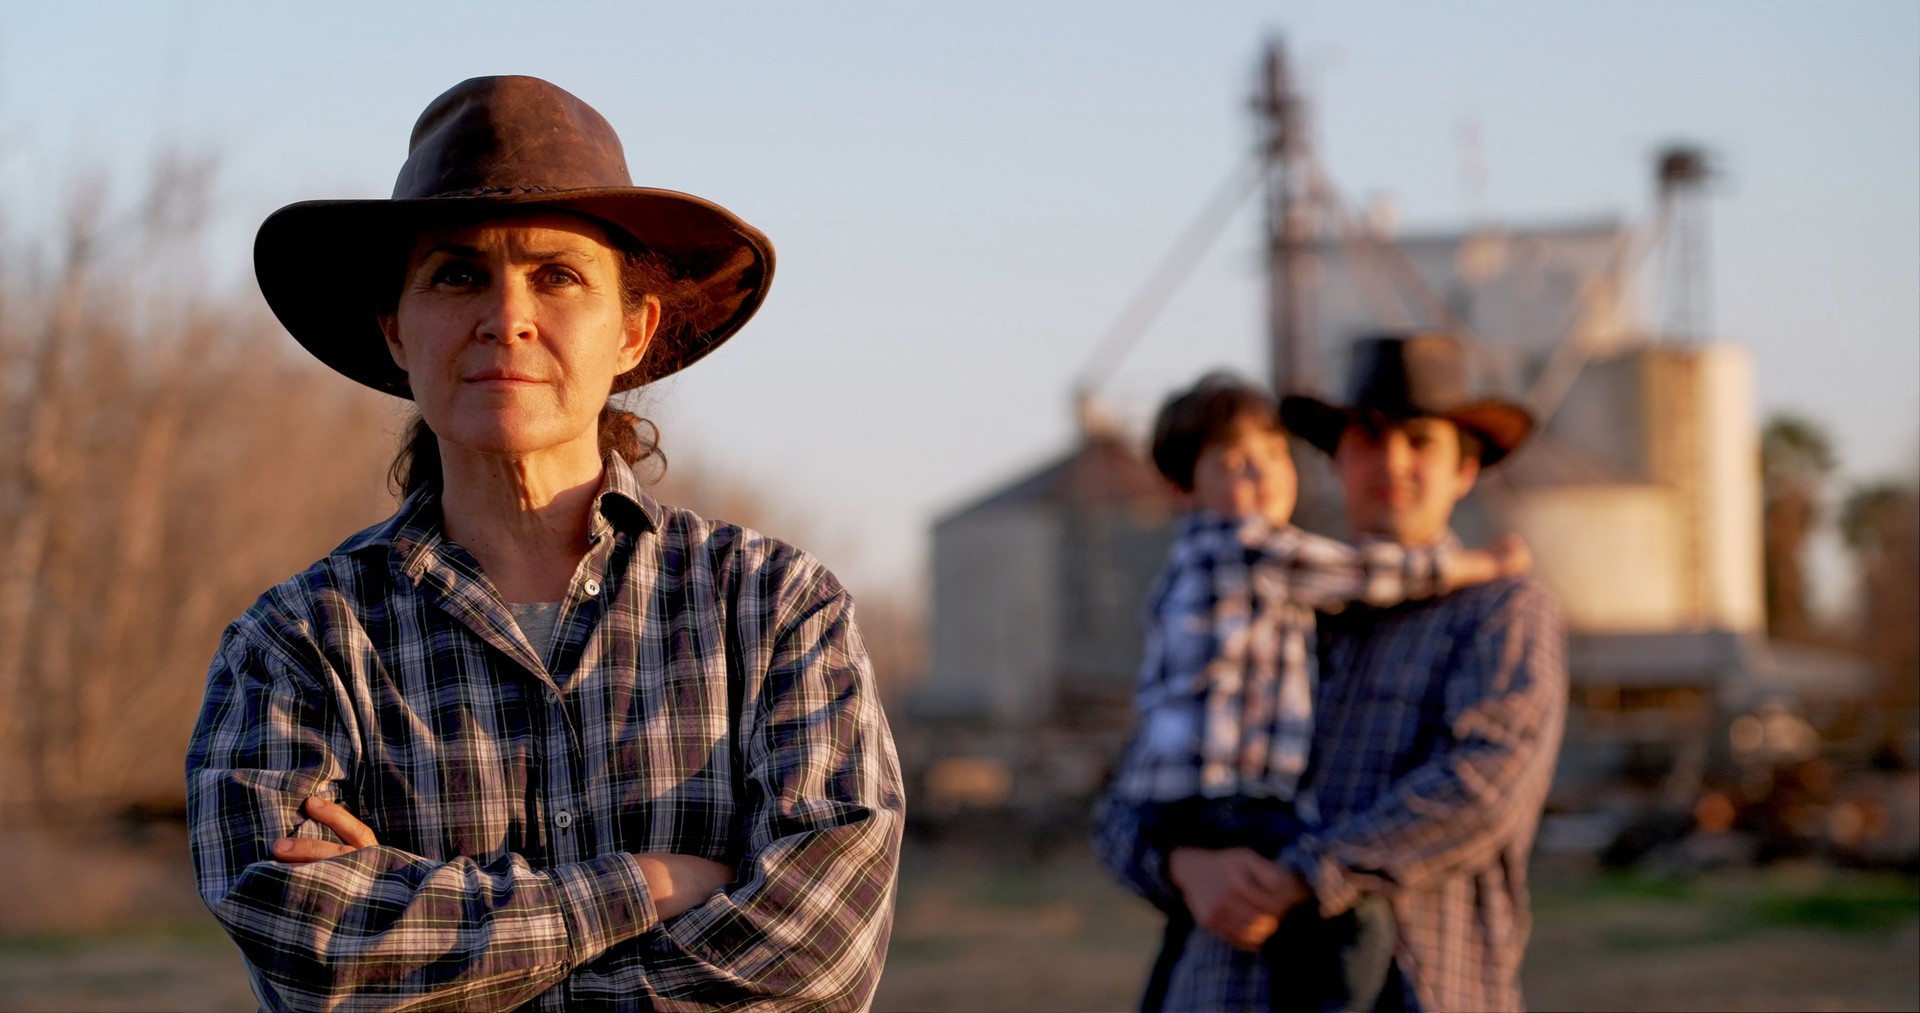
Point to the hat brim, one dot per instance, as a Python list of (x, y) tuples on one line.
[(327, 267), (1500, 426)]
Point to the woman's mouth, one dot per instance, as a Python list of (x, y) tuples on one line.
[(499, 378)]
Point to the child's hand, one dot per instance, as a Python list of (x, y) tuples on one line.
[(1511, 554), (1468, 567)]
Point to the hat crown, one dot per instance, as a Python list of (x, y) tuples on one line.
[(510, 134), (491, 147), (1408, 375)]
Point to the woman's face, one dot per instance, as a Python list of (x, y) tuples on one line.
[(512, 332)]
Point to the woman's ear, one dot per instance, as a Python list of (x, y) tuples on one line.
[(641, 326), (390, 329)]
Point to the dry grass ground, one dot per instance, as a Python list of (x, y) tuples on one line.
[(977, 933)]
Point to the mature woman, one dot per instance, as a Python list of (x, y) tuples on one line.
[(537, 737)]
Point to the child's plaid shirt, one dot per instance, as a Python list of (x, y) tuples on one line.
[(1225, 700)]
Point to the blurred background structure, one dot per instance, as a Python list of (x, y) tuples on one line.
[(992, 270), (1642, 497)]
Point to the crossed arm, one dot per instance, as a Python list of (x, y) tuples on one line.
[(677, 882), (361, 925)]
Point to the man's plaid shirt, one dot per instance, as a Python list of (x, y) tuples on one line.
[(1225, 700), (1437, 729), (706, 693)]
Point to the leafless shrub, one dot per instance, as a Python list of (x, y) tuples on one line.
[(170, 458)]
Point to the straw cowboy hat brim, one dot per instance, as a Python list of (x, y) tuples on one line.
[(496, 146), (1400, 377)]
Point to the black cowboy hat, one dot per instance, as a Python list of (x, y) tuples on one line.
[(327, 267), (1404, 376)]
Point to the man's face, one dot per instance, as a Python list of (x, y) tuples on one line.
[(1402, 478), (1248, 473)]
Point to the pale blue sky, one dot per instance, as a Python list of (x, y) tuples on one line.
[(964, 194)]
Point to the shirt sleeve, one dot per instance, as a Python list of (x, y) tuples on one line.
[(380, 927), (1505, 705), (807, 922), (1328, 574), (1124, 852)]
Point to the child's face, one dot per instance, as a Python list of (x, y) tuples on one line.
[(1249, 472)]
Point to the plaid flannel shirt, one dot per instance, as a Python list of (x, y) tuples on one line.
[(706, 693), (1225, 700), (1437, 729)]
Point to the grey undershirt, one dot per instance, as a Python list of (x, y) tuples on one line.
[(536, 621)]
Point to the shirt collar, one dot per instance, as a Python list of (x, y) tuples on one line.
[(623, 504), (624, 501)]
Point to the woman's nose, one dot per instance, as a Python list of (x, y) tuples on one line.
[(508, 313)]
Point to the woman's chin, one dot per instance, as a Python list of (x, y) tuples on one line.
[(508, 441)]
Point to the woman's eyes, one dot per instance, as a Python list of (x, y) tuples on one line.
[(459, 275), (455, 274)]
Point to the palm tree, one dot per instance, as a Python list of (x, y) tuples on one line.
[(1796, 459), (1881, 524)]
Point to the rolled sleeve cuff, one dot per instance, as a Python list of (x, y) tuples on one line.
[(1332, 887), (1155, 879), (606, 902)]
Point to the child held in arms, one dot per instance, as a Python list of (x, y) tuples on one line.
[(1225, 701)]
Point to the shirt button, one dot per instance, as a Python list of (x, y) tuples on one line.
[(592, 587), (563, 819)]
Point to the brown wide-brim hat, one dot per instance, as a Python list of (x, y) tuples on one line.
[(1405, 376), (501, 145)]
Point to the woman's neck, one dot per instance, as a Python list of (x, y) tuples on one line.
[(526, 518)]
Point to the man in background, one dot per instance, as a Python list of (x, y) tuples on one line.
[(1438, 725)]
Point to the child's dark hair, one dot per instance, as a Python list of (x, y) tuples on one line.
[(1205, 414)]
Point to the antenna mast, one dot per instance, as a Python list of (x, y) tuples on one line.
[(1683, 174), (1281, 121)]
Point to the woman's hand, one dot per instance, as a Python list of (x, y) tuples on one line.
[(353, 834), (680, 883)]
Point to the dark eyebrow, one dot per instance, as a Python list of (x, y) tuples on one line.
[(454, 250)]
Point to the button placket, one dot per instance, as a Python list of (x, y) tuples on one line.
[(562, 805)]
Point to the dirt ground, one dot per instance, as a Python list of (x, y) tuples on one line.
[(973, 933)]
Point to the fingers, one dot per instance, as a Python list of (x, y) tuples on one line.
[(344, 825), (1265, 875), (1259, 883), (353, 835), (1516, 559), (680, 883), (301, 850), (1235, 893), (1242, 928)]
